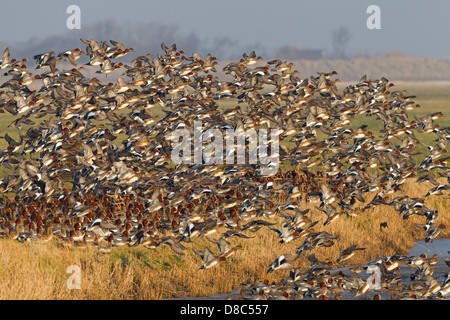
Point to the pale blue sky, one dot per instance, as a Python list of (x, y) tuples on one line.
[(417, 27)]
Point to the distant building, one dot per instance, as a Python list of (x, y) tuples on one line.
[(294, 53), (361, 56), (395, 54)]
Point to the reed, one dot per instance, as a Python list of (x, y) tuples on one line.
[(37, 270)]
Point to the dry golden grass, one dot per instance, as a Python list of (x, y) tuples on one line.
[(39, 270)]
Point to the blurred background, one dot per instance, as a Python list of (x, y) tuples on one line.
[(322, 35)]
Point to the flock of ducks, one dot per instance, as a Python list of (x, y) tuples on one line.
[(92, 163), (384, 277)]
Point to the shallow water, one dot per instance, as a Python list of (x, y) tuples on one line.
[(438, 246)]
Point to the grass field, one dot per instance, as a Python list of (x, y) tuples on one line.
[(39, 270)]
